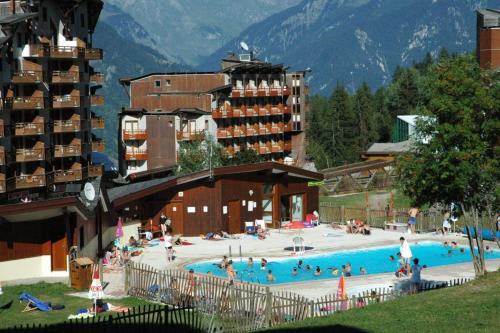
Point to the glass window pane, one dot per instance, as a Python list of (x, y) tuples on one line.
[(297, 213)]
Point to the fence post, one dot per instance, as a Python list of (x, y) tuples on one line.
[(311, 309), (127, 278), (269, 305), (342, 213), (368, 217)]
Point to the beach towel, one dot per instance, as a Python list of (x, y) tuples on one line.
[(405, 250)]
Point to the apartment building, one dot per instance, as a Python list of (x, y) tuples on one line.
[(48, 89), (248, 103), (488, 38)]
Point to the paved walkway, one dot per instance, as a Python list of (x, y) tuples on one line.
[(322, 239)]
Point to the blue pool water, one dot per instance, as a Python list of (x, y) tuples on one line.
[(374, 260)]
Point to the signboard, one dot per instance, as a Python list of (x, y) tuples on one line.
[(316, 183)]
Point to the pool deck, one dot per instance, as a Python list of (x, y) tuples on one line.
[(273, 246)]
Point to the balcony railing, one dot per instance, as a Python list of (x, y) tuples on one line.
[(30, 181), (65, 77), (264, 149), (288, 127), (252, 112), (2, 155), (25, 103), (71, 150), (190, 136), (252, 130), (32, 128), (67, 126), (96, 100), (38, 51), (98, 146), (237, 92), (95, 170), (129, 135), (264, 129), (65, 176), (277, 147), (66, 101), (97, 78), (238, 112), (27, 77), (136, 155), (5, 184), (97, 123), (223, 133), (251, 92), (66, 52), (2, 130), (264, 111), (288, 145), (30, 154), (93, 54), (277, 128), (222, 112), (239, 131)]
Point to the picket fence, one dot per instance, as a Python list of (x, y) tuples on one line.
[(244, 307)]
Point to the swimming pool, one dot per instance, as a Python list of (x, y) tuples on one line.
[(374, 260)]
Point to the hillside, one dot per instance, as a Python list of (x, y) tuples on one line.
[(359, 40)]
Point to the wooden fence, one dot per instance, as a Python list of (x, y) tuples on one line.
[(152, 318), (243, 307)]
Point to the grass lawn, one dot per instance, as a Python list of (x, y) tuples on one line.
[(358, 200), (56, 293), (473, 307)]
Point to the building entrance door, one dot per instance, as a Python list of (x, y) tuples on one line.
[(174, 211), (234, 217), (59, 248)]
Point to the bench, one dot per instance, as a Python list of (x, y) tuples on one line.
[(398, 227)]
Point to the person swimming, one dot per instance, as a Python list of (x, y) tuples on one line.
[(391, 258), (317, 272), (223, 263), (300, 263), (445, 244), (308, 267), (454, 245), (263, 264), (487, 249), (462, 250), (362, 271), (295, 271), (270, 277), (348, 269), (448, 254), (335, 271)]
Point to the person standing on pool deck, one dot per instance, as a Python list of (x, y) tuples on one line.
[(415, 275), (167, 239), (405, 251), (412, 220)]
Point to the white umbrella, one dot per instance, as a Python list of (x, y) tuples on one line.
[(96, 291)]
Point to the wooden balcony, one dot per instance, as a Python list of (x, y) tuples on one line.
[(237, 92), (287, 109), (277, 128), (277, 147), (252, 112), (33, 128), (37, 50), (239, 132), (264, 149), (2, 129), (238, 112), (136, 155), (96, 100), (262, 92), (223, 133), (97, 78), (276, 110), (264, 129), (5, 183), (71, 150), (288, 145), (27, 77), (95, 170), (66, 52), (34, 180), (30, 154), (287, 91), (2, 155), (190, 136), (222, 112), (250, 92), (98, 146), (66, 101), (93, 54), (264, 111), (252, 130), (67, 126), (97, 123), (61, 77), (131, 135), (288, 127), (27, 103), (67, 176)]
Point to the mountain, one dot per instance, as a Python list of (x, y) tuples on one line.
[(358, 40), (191, 29), (122, 57)]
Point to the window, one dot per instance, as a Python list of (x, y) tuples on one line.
[(157, 83), (82, 20), (167, 83), (132, 165), (206, 124), (44, 14), (297, 209), (72, 17), (82, 238)]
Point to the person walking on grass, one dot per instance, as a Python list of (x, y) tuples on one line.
[(167, 239), (412, 219)]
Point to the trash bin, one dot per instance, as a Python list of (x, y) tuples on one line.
[(80, 273)]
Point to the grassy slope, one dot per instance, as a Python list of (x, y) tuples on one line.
[(473, 307), (54, 293), (358, 200)]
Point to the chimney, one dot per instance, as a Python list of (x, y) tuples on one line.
[(13, 6)]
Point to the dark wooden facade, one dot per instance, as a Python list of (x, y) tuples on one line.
[(198, 203)]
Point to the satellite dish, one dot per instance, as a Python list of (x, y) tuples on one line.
[(244, 46)]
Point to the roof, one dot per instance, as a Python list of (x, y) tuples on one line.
[(122, 195), (195, 111), (490, 18), (127, 80), (15, 18), (389, 148), (410, 119)]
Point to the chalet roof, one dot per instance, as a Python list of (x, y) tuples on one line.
[(16, 18), (127, 80), (384, 148), (490, 18), (123, 195)]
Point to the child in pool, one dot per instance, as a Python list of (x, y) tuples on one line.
[(270, 276), (318, 271), (335, 271), (250, 261), (362, 271), (462, 250), (294, 271), (299, 265), (308, 267), (488, 249), (391, 258), (263, 264), (348, 269)]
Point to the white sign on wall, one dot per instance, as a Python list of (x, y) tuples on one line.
[(243, 203), (224, 210), (181, 194), (191, 209), (205, 209)]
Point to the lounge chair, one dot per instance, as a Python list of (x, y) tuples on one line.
[(250, 228), (34, 303)]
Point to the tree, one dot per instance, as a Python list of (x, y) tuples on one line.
[(245, 156), (345, 127), (200, 155), (456, 155), (403, 95), (364, 110)]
